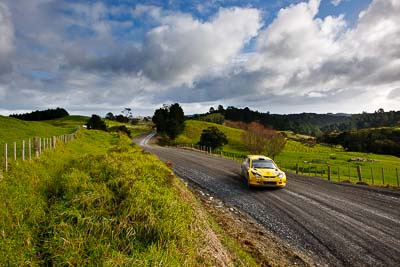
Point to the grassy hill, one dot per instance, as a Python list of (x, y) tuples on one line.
[(193, 129), (310, 158), (69, 122), (99, 200), (12, 129)]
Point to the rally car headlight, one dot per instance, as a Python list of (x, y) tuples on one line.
[(257, 175), (281, 175)]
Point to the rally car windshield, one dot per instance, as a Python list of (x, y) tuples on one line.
[(263, 164)]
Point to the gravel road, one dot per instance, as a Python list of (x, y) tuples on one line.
[(335, 224)]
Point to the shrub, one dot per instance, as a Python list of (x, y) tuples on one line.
[(96, 123)]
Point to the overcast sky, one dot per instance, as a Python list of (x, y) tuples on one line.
[(282, 56)]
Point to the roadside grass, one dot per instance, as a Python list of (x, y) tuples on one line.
[(98, 200), (312, 160)]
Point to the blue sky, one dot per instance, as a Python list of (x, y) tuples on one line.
[(282, 56)]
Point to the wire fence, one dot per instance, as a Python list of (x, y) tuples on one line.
[(336, 173), (30, 148)]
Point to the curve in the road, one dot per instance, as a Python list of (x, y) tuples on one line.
[(336, 224)]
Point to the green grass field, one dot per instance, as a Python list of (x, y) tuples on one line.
[(99, 200), (312, 160), (15, 130)]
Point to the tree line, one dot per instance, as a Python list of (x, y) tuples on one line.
[(304, 123), (376, 140), (48, 114)]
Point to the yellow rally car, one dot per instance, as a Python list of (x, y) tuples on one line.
[(262, 171)]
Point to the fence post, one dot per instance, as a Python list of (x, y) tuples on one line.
[(54, 141), (329, 172), (383, 177), (29, 149), (40, 146), (297, 168), (23, 150), (359, 173), (372, 176), (349, 172), (15, 151), (36, 149), (5, 157)]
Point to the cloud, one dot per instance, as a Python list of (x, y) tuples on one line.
[(93, 55), (394, 94), (6, 40), (336, 2), (181, 49), (301, 53)]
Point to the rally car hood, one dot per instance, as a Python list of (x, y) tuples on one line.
[(267, 172)]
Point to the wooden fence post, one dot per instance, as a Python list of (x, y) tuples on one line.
[(359, 173), (23, 150), (383, 176), (5, 157), (15, 151), (36, 149), (29, 149), (372, 176), (329, 172), (54, 141), (40, 146), (349, 172)]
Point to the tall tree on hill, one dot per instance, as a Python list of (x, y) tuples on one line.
[(169, 120)]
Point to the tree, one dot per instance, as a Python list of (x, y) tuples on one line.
[(96, 123), (259, 139), (212, 137), (254, 137), (127, 112), (274, 145), (169, 120), (121, 118), (110, 116)]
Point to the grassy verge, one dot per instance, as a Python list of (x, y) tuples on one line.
[(312, 160), (100, 201)]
